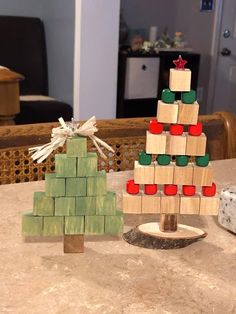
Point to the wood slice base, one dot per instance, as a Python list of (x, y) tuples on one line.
[(149, 236)]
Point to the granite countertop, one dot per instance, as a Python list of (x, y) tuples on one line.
[(113, 276)]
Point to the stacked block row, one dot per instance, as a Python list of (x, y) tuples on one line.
[(75, 200)]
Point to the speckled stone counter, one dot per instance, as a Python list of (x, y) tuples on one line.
[(113, 276)]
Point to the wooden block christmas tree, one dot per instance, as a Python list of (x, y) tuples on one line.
[(172, 184), (76, 201)]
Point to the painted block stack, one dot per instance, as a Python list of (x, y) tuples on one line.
[(165, 181), (75, 202)]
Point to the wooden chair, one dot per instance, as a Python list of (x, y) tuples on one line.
[(126, 136)]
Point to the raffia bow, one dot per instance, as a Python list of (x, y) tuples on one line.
[(65, 131)]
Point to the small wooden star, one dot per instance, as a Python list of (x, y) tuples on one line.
[(179, 63)]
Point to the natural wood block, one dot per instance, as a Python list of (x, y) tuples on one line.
[(176, 144), (209, 205), (183, 175), (151, 204), (202, 176), (132, 204), (87, 166), (196, 145), (188, 113), (170, 204), (85, 205), (65, 166), (114, 224), (189, 204), (76, 146), (144, 174), (180, 80), (106, 204), (97, 185), (164, 174), (43, 205), (167, 113), (94, 225), (54, 186), (74, 225), (155, 143), (53, 226), (31, 225), (74, 243), (64, 206), (76, 186)]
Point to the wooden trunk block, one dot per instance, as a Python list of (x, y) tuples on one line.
[(144, 174), (176, 144), (168, 222), (76, 186), (74, 243), (180, 80), (190, 204), (202, 176), (76, 147), (196, 145), (43, 205), (170, 204), (64, 206), (94, 225), (74, 225), (65, 166), (87, 166), (183, 175), (85, 205), (155, 143), (164, 174), (53, 226), (31, 225), (151, 204), (54, 186), (167, 113), (106, 204), (188, 113), (97, 185), (209, 205), (132, 204), (114, 224)]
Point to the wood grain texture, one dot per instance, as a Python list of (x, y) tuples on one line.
[(188, 113), (167, 113)]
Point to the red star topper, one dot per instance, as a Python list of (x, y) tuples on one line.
[(179, 63)]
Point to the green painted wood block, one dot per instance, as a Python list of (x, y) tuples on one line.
[(97, 185), (85, 205), (182, 160), (65, 166), (87, 166), (64, 206), (119, 212), (144, 158), (74, 225), (167, 96), (54, 186), (202, 161), (53, 226), (76, 186), (114, 225), (31, 225), (189, 97), (94, 224), (43, 205), (106, 204), (76, 146), (163, 159)]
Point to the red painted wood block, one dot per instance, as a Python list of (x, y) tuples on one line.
[(209, 190), (150, 189), (131, 187), (195, 130), (189, 190), (170, 189), (156, 127), (176, 129)]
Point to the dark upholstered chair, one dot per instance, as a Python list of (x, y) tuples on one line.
[(23, 49)]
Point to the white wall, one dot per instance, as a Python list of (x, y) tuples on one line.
[(97, 33)]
